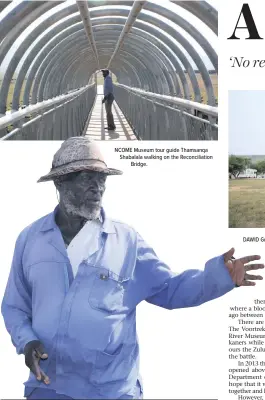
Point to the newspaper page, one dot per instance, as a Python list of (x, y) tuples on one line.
[(244, 356), (131, 172)]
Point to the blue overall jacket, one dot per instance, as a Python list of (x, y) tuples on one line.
[(108, 88), (88, 324)]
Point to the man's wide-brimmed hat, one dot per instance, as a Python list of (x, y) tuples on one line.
[(78, 154)]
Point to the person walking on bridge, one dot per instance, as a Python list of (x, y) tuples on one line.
[(108, 99), (77, 278)]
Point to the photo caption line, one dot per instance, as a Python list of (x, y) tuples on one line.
[(141, 157)]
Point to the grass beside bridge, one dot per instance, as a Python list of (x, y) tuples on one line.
[(214, 79), (10, 94)]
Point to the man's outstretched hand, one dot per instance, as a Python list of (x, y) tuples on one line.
[(238, 268), (34, 351)]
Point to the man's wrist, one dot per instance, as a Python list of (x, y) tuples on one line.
[(30, 344)]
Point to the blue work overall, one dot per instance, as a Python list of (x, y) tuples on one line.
[(88, 323)]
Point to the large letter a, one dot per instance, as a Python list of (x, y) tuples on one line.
[(250, 24)]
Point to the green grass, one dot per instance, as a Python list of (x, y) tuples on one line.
[(214, 79), (247, 203), (100, 81), (10, 94)]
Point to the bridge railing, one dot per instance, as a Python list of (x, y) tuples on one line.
[(158, 117), (54, 119)]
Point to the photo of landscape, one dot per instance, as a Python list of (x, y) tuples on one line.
[(246, 191)]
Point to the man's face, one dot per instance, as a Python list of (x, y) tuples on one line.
[(81, 193), (104, 73)]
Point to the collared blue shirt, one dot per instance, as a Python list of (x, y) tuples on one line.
[(108, 86), (88, 324)]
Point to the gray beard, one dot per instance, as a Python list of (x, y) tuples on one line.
[(82, 211)]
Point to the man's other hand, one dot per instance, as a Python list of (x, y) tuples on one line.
[(238, 268), (34, 351)]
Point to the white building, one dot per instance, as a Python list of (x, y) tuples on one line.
[(248, 173)]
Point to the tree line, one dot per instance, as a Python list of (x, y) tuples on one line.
[(238, 164)]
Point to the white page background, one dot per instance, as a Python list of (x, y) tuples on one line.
[(181, 209)]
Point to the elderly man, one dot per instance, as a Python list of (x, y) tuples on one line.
[(108, 99), (76, 280)]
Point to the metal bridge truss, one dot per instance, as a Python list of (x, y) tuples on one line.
[(144, 44)]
